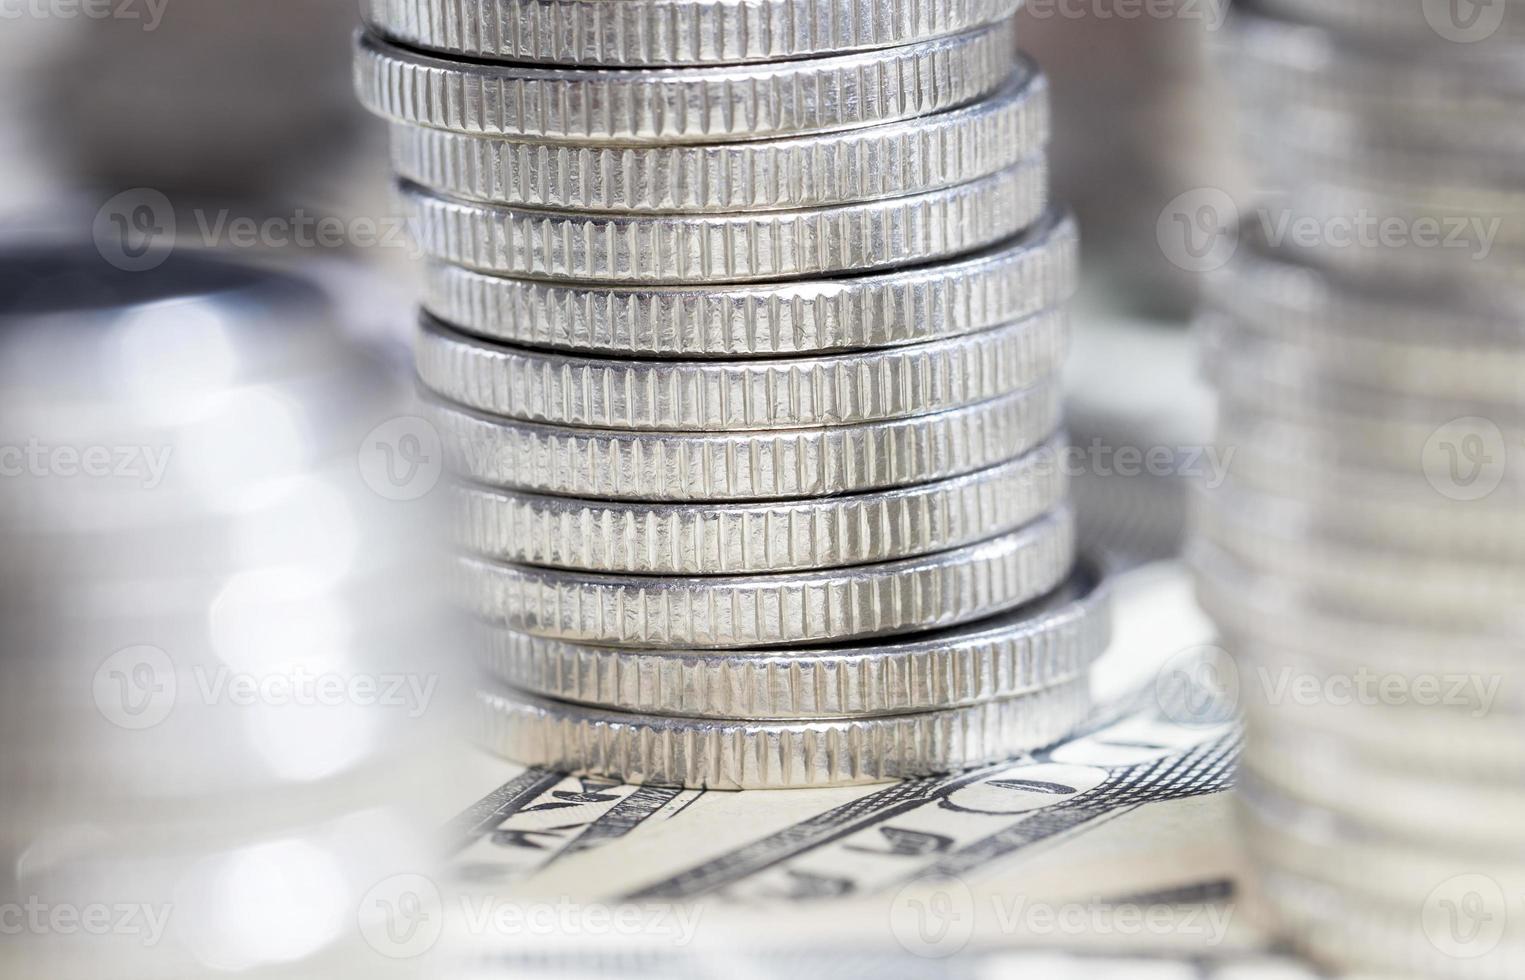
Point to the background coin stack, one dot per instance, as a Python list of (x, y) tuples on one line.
[(742, 324), (1365, 559), (196, 564)]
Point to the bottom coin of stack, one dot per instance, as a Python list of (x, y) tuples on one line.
[(783, 717), (1363, 563)]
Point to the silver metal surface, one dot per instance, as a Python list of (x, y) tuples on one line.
[(816, 606), (721, 396), (1005, 283), (813, 171), (683, 249), (710, 466), (733, 538), (678, 105), (671, 33), (1039, 645), (714, 754)]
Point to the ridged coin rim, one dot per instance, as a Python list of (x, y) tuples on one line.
[(1475, 597), (1388, 20), (1039, 645), (819, 170), (768, 465), (683, 105), (1380, 334), (781, 609), (1007, 282), (716, 396), (749, 538), (711, 754), (672, 33), (675, 249)]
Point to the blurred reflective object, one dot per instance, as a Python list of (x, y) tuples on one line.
[(1363, 328), (1138, 121), (222, 97), (213, 622)]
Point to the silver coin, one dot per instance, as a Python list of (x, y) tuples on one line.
[(1380, 791), (1035, 647), (679, 248), (710, 467), (1404, 458), (1364, 225), (711, 754), (1338, 140), (1297, 617), (817, 606), (1432, 23), (694, 105), (1476, 598), (672, 33), (1361, 937), (1006, 283), (1374, 331), (728, 396), (1258, 374), (814, 171), (774, 536), (1365, 504), (1343, 701), (1349, 853), (1432, 95)]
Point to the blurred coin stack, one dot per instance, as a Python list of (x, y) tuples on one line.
[(1366, 559), (203, 609), (742, 326)]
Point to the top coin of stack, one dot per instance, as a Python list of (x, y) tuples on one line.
[(1367, 545), (742, 324)]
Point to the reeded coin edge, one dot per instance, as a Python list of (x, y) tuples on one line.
[(747, 755)]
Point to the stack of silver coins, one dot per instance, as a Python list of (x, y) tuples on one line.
[(742, 326), (1366, 560), (204, 603)]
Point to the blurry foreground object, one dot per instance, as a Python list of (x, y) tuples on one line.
[(211, 696), (1366, 558)]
